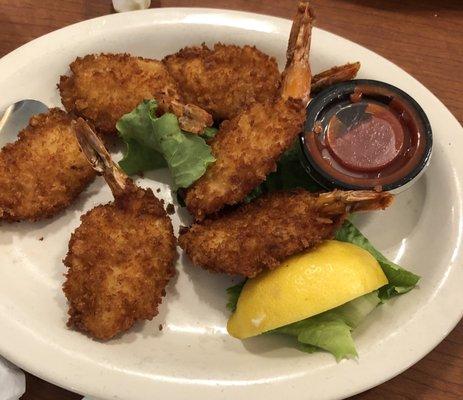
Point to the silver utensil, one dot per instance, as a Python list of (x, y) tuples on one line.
[(16, 117)]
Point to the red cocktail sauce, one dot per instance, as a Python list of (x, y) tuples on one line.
[(367, 143)]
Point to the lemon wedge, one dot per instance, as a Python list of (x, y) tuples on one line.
[(305, 285)]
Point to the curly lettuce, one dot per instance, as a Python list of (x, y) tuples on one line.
[(400, 280), (332, 330), (155, 142)]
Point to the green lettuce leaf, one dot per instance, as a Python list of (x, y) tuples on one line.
[(329, 331), (290, 173), (332, 330), (139, 158), (233, 295), (400, 280), (209, 133), (307, 348), (187, 156)]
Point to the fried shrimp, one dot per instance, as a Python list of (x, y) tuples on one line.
[(43, 171), (228, 78), (102, 88), (260, 235), (248, 147), (225, 79), (121, 257)]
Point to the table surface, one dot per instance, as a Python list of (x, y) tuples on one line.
[(424, 37)]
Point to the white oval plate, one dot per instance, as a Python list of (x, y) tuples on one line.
[(193, 357)]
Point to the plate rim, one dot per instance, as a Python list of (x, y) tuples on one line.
[(94, 387)]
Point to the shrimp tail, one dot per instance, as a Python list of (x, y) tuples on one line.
[(334, 75), (340, 202), (99, 158), (191, 118), (297, 76)]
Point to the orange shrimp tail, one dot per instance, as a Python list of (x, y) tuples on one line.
[(99, 158), (339, 201), (297, 76)]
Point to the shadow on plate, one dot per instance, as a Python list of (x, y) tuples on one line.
[(211, 288), (184, 216), (157, 176), (272, 346), (382, 227)]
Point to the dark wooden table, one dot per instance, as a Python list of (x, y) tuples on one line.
[(424, 37)]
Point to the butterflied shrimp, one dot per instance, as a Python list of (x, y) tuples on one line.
[(260, 235), (43, 171), (248, 147), (121, 257), (102, 88), (225, 79)]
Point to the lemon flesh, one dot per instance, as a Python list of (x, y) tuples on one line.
[(305, 285)]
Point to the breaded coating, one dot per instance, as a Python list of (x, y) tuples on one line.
[(102, 88), (260, 235), (43, 171), (120, 260), (246, 149), (226, 79), (121, 257)]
